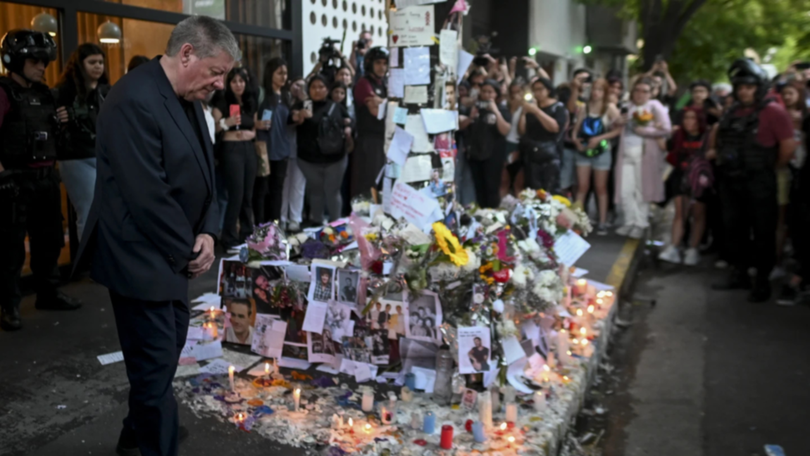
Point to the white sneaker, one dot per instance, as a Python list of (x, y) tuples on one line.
[(692, 257), (624, 230), (636, 233), (670, 254), (293, 227)]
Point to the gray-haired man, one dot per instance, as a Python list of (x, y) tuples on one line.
[(152, 225)]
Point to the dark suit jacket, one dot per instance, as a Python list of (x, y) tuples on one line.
[(154, 188)]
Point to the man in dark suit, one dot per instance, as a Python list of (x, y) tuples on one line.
[(152, 225)]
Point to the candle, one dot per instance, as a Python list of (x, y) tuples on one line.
[(231, 371), (496, 398), (297, 399), (239, 418), (447, 437), (213, 314), (539, 401), (213, 330), (583, 331), (503, 427), (478, 432), (591, 308), (581, 286), (267, 370), (407, 394), (588, 351), (367, 428), (351, 425), (429, 424), (385, 415), (485, 409), (579, 312), (562, 346), (511, 412), (511, 440), (508, 394), (368, 400), (415, 421), (410, 381)]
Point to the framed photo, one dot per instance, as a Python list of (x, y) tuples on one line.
[(474, 350), (322, 286), (348, 286), (423, 317)]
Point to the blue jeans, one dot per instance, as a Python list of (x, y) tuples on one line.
[(79, 177)]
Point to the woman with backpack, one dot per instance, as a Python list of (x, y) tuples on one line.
[(592, 138), (688, 184), (79, 94), (321, 132)]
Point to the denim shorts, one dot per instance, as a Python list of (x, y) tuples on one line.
[(567, 168), (601, 162)]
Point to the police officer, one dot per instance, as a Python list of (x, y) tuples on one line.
[(751, 139), (30, 197), (369, 93)]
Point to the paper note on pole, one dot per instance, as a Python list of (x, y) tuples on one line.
[(421, 142), (448, 48), (412, 26), (315, 316), (400, 146), (396, 82), (393, 57), (400, 116), (417, 65), (439, 120), (418, 168), (414, 206), (406, 3), (570, 247), (464, 61), (381, 109), (416, 95)]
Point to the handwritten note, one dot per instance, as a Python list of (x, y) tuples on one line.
[(400, 116), (416, 95), (415, 207), (400, 146), (421, 142), (217, 367), (268, 337), (448, 48), (412, 26), (464, 61), (393, 59), (396, 82), (570, 247), (315, 316), (439, 120), (381, 109), (417, 65), (417, 168)]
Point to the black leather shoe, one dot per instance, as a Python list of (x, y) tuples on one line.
[(128, 445), (736, 281), (59, 302), (760, 293), (10, 320)]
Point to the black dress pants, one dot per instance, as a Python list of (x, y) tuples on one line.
[(749, 218), (275, 190), (34, 207), (152, 335), (486, 175), (239, 165)]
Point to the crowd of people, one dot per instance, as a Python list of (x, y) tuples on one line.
[(297, 149)]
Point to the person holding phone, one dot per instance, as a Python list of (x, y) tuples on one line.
[(238, 154), (271, 130), (489, 124), (292, 198), (541, 128)]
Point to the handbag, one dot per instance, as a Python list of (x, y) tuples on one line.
[(263, 169), (538, 152)]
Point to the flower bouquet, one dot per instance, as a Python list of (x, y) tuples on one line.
[(267, 242), (642, 118)]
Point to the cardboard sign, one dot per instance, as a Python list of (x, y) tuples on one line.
[(412, 26)]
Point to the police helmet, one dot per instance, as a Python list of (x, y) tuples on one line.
[(374, 54), (21, 44), (745, 71)]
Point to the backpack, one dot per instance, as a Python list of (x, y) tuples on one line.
[(331, 139), (593, 126)]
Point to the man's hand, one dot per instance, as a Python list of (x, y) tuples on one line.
[(204, 245), (62, 114)]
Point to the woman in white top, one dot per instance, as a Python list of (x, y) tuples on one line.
[(592, 134), (512, 178)]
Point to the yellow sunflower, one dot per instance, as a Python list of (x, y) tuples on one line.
[(448, 243), (563, 200)]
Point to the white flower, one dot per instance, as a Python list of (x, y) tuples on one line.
[(521, 275), (473, 263), (548, 278)]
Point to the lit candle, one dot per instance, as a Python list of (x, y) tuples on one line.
[(503, 427), (351, 425), (539, 401), (562, 345), (368, 400), (581, 286), (239, 418), (367, 428), (231, 371), (511, 412), (601, 294), (267, 370), (591, 308), (485, 409), (579, 312), (385, 415), (478, 432), (583, 331), (296, 399), (407, 394), (447, 437), (511, 440), (213, 313), (496, 398), (608, 294), (429, 424)]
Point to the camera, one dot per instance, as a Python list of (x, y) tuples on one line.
[(362, 44), (483, 49), (328, 51)]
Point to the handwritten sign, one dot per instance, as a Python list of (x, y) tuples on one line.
[(414, 206), (412, 26)]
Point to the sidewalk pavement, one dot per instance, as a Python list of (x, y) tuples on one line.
[(56, 399)]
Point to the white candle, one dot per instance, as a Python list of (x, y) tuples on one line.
[(368, 400), (407, 394), (267, 370), (511, 412), (351, 424), (495, 393), (213, 313), (485, 410), (508, 394), (562, 345), (539, 401), (231, 371), (297, 398)]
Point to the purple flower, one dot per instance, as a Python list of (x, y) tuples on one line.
[(546, 239)]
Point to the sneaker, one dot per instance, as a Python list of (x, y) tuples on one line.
[(293, 227), (777, 273), (692, 257), (602, 229), (721, 264), (636, 233), (624, 230), (283, 225), (670, 255), (788, 296)]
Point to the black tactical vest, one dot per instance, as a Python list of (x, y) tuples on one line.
[(737, 148), (28, 131), (366, 122)]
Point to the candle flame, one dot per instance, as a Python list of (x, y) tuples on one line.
[(569, 352), (584, 342), (575, 341), (351, 422), (600, 294), (368, 427), (231, 369), (266, 367), (546, 368), (583, 331), (503, 426), (609, 294), (581, 282), (591, 308), (511, 439), (579, 312), (565, 377), (600, 301)]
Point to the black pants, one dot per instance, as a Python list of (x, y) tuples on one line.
[(36, 210), (368, 160), (750, 208), (239, 164), (152, 335), (275, 189), (545, 176), (486, 175)]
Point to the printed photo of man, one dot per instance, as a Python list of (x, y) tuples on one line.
[(241, 329), (323, 288), (348, 292), (479, 356)]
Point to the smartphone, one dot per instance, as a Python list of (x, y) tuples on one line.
[(474, 93), (267, 114), (308, 105), (235, 111)]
